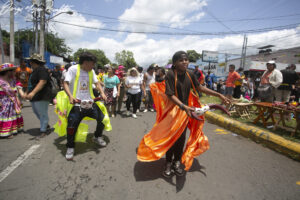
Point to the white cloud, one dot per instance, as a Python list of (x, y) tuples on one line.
[(156, 12), (71, 32), (147, 50)]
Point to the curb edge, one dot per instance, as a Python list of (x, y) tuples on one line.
[(275, 142)]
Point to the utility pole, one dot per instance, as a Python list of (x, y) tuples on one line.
[(2, 50), (245, 51), (35, 18), (42, 27), (226, 60), (243, 55), (12, 33)]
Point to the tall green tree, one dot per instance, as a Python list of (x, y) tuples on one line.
[(100, 55), (125, 58), (56, 45), (193, 55), (53, 43)]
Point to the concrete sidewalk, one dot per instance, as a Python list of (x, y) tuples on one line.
[(273, 141)]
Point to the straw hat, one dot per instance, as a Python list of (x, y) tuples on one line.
[(36, 57), (133, 69), (6, 67)]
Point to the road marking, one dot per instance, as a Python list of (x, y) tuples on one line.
[(221, 131), (18, 162)]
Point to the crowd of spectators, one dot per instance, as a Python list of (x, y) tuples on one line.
[(266, 86)]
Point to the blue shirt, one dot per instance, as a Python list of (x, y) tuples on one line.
[(111, 82)]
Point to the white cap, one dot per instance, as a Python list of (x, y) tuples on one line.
[(271, 62)]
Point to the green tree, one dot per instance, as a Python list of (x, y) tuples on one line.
[(125, 58), (53, 43), (100, 55), (193, 56), (56, 45)]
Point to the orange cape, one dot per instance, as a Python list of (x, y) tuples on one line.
[(170, 123)]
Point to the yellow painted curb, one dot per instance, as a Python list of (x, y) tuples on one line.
[(274, 141)]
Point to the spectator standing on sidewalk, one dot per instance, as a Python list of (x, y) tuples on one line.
[(140, 70), (200, 76), (271, 78), (231, 78), (238, 83), (63, 75), (135, 85), (289, 79), (149, 78), (120, 73), (22, 74), (112, 90), (39, 91), (209, 80), (57, 74)]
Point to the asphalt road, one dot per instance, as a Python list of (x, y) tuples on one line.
[(233, 168)]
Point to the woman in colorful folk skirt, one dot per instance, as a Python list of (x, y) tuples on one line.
[(11, 120)]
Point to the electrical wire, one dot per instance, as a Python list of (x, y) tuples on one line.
[(181, 33), (137, 22)]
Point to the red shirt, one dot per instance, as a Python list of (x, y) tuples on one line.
[(119, 73), (232, 76)]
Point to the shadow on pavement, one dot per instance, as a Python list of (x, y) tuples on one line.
[(80, 147), (148, 171), (35, 132)]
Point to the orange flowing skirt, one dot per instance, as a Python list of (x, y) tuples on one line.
[(170, 123)]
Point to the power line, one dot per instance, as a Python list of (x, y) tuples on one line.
[(163, 26), (181, 33), (136, 22), (220, 22), (260, 43), (279, 17)]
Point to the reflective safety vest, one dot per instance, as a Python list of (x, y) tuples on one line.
[(63, 108)]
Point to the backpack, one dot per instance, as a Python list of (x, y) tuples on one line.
[(54, 86)]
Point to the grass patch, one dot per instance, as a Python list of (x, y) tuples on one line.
[(279, 131)]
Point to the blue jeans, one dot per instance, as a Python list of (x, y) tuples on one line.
[(40, 109), (76, 115)]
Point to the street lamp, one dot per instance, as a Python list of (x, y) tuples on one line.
[(42, 33), (67, 12)]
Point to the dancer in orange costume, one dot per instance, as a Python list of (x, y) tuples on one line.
[(174, 103)]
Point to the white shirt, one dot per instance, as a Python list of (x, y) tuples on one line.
[(83, 91), (150, 80), (63, 74), (275, 78), (135, 83)]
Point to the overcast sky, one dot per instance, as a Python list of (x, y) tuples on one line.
[(154, 29)]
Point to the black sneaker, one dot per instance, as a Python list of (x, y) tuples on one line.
[(177, 168), (168, 172)]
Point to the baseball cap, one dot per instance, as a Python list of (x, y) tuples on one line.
[(271, 62)]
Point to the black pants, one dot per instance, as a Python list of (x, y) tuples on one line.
[(237, 92), (149, 100), (120, 98), (75, 117), (139, 100), (132, 99), (177, 149)]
